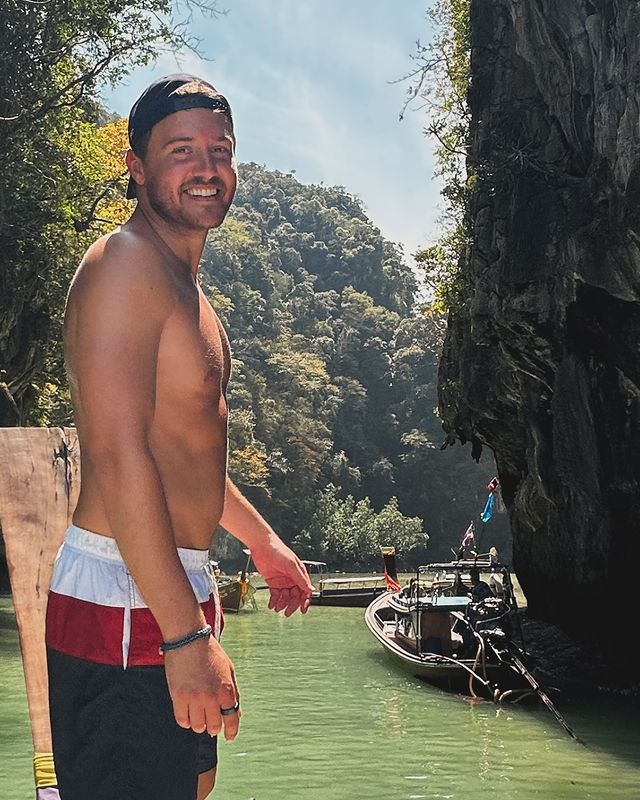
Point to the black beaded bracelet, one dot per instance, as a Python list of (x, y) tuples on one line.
[(203, 633)]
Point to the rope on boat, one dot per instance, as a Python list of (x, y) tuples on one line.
[(458, 664), (479, 652), (509, 692)]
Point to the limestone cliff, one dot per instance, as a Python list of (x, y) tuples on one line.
[(543, 363)]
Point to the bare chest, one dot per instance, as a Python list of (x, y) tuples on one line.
[(194, 358)]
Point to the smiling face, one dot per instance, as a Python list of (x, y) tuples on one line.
[(188, 172)]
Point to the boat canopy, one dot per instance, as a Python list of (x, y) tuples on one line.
[(463, 564)]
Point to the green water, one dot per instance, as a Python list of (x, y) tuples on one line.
[(327, 716)]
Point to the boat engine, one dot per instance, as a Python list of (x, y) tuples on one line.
[(490, 616)]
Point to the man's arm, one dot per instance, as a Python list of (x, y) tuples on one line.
[(118, 306), (282, 570)]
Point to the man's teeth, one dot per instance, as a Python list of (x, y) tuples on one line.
[(202, 192)]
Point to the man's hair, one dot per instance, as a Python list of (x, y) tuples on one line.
[(166, 96), (142, 145)]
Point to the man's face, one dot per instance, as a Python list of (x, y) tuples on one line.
[(189, 171)]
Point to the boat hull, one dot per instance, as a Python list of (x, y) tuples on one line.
[(349, 598), (467, 676), (231, 596)]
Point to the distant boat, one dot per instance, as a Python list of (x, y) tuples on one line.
[(236, 592), (355, 592), (436, 631)]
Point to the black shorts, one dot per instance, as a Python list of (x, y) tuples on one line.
[(112, 724), (115, 736)]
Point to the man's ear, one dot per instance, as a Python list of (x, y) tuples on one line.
[(135, 167)]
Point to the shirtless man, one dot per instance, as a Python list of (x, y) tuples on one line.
[(139, 684)]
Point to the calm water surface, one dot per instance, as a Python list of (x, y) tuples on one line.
[(327, 716)]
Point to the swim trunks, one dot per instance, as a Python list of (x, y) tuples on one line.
[(112, 723)]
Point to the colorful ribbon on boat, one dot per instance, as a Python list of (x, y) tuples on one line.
[(45, 777)]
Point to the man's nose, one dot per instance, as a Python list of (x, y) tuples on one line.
[(206, 165)]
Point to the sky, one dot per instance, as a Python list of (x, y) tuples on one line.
[(316, 87)]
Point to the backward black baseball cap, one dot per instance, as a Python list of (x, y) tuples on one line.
[(165, 96)]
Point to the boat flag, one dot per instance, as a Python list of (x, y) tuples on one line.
[(487, 511), (489, 506), (467, 542), (467, 539), (390, 572), (392, 585)]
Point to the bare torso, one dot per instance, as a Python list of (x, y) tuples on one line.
[(188, 432)]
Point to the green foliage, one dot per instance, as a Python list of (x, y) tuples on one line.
[(312, 296), (441, 263), (334, 365), (64, 170), (349, 534), (441, 81)]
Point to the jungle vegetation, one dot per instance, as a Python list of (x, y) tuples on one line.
[(333, 432)]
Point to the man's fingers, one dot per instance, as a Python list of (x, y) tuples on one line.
[(306, 580), (181, 713), (273, 597), (235, 686), (230, 711), (231, 724), (295, 601), (220, 714), (290, 599), (280, 599), (206, 696), (214, 719), (197, 719)]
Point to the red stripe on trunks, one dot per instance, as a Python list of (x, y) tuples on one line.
[(85, 630), (94, 632)]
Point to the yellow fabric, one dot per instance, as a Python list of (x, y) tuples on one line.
[(44, 771)]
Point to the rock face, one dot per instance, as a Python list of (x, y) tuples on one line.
[(542, 365)]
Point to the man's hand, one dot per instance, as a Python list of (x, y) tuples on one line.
[(285, 576), (201, 682)]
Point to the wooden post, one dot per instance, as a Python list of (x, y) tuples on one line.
[(39, 485)]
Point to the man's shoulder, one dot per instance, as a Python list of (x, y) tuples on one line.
[(127, 247), (124, 258)]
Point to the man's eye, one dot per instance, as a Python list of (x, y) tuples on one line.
[(180, 150)]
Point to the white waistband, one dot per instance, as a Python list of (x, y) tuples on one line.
[(107, 548)]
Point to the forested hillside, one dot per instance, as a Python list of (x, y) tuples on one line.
[(334, 385), (333, 429)]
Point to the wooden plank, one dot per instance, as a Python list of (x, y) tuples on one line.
[(39, 486)]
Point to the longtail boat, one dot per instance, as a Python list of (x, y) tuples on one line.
[(435, 629), (461, 633), (236, 592), (356, 591)]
